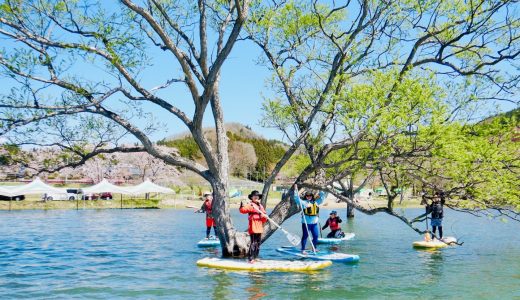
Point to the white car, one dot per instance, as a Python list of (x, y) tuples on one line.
[(72, 194)]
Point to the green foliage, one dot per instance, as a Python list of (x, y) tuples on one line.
[(268, 152), (187, 147)]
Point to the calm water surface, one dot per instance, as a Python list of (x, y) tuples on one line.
[(151, 254)]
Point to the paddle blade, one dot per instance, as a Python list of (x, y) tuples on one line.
[(293, 239)]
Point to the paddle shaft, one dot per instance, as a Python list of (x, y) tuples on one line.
[(271, 220)]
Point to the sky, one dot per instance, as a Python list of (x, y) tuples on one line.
[(242, 89)]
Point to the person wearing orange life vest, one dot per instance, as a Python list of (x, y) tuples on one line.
[(335, 229), (207, 208), (256, 218)]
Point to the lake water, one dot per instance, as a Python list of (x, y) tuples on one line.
[(151, 254)]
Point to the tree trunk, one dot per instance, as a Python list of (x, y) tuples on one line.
[(234, 243), (350, 211)]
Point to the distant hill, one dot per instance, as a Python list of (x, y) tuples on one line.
[(251, 155)]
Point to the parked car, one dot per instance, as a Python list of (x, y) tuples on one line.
[(72, 194), (15, 198), (96, 196)]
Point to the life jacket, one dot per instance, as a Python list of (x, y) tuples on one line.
[(256, 215), (437, 211), (333, 223), (208, 208), (312, 210)]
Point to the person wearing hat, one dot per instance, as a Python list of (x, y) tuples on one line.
[(256, 218), (335, 229), (207, 208), (310, 206)]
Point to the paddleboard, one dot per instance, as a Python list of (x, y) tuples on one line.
[(211, 242), (320, 255), (263, 265), (445, 242), (335, 241)]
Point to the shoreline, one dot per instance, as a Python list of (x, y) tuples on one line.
[(172, 203)]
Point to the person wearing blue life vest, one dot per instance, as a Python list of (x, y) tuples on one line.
[(310, 206)]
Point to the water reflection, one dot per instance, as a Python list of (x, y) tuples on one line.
[(255, 290), (433, 262), (222, 283)]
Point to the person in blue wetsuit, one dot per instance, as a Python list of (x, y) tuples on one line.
[(310, 205)]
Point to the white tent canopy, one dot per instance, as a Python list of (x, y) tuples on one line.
[(148, 187), (106, 187), (7, 191), (36, 187)]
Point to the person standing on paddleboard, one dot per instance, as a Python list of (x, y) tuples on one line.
[(310, 206), (207, 208), (257, 218), (437, 211), (335, 229)]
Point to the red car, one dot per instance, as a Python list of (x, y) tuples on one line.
[(102, 196)]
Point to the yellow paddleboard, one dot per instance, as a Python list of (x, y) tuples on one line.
[(435, 243), (263, 265)]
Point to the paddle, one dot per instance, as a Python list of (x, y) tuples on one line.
[(293, 239), (427, 234)]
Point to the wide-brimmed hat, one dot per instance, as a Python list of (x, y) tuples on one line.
[(254, 193), (333, 212), (308, 193), (206, 193)]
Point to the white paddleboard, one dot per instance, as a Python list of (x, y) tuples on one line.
[(335, 241)]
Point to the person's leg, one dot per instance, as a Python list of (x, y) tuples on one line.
[(208, 230), (258, 238), (305, 236), (315, 234), (434, 229), (250, 253), (440, 232), (331, 234), (215, 230)]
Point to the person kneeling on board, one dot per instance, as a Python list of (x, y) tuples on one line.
[(207, 208), (310, 206), (335, 230), (256, 223), (437, 211)]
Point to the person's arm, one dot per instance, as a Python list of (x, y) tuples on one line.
[(321, 197), (326, 225), (339, 220), (296, 197), (245, 209)]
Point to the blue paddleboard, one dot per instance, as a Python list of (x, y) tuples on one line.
[(335, 241), (320, 255), (211, 242)]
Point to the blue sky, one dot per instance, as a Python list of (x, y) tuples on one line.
[(243, 85)]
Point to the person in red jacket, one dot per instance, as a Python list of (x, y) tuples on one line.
[(207, 208), (335, 229), (256, 223)]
